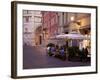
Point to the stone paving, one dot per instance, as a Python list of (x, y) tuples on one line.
[(36, 57)]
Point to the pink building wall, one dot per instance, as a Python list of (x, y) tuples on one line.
[(50, 22)]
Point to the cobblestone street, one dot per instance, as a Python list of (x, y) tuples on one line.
[(36, 57)]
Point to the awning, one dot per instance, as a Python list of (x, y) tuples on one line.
[(72, 35)]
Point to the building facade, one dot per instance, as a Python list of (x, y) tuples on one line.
[(41, 27), (56, 23), (50, 25), (31, 21)]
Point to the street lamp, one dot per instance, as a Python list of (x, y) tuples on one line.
[(72, 18)]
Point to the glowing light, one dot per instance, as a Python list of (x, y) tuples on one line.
[(72, 18)]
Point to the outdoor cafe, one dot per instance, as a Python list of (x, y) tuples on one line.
[(73, 47)]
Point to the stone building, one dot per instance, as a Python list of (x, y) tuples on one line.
[(41, 27), (56, 23), (50, 25), (31, 21)]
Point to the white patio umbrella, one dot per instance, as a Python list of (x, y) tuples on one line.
[(72, 36)]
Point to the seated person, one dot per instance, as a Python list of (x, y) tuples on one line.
[(62, 52), (52, 50)]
